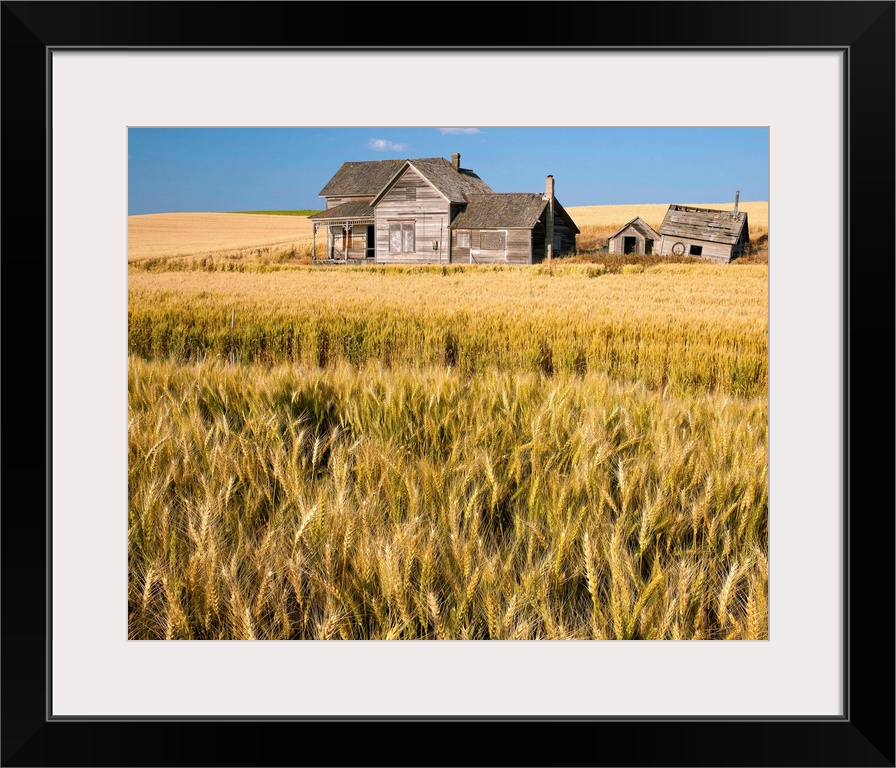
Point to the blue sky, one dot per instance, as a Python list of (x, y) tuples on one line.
[(241, 169)]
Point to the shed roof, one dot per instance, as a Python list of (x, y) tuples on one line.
[(640, 225), (364, 178), (354, 209), (455, 184), (705, 224)]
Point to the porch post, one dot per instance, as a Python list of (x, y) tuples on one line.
[(314, 243)]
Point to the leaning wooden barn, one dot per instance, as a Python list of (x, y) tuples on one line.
[(636, 237), (712, 234), (430, 211)]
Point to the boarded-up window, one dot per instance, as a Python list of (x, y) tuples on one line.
[(401, 237), (491, 241), (463, 239), (410, 193)]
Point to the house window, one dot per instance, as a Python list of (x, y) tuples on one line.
[(491, 241), (463, 239), (401, 237), (695, 250)]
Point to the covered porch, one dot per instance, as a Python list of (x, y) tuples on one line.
[(349, 232)]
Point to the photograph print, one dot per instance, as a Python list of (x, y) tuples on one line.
[(448, 383)]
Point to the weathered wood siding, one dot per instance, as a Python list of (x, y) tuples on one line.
[(518, 246), (412, 199), (567, 238), (538, 234), (492, 246), (715, 251), (521, 246), (460, 254), (564, 240), (488, 255)]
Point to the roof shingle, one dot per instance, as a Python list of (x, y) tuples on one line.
[(354, 209), (365, 178), (501, 209), (454, 184)]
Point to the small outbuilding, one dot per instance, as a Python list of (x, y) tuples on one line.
[(636, 237), (705, 232)]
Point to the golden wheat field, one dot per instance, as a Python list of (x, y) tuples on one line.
[(565, 451)]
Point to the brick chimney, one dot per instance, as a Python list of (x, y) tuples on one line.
[(455, 160), (549, 188)]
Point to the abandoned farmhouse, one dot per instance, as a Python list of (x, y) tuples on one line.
[(432, 211)]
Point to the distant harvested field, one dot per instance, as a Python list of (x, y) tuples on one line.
[(171, 235), (616, 216)]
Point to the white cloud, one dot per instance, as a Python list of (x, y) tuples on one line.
[(443, 131), (384, 145)]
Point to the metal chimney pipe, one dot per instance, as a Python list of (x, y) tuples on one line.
[(736, 198)]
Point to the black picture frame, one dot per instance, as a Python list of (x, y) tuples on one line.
[(863, 736)]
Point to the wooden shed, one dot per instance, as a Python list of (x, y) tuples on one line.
[(705, 232), (636, 237)]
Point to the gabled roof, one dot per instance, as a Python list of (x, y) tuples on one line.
[(640, 225), (361, 179), (354, 209), (455, 185), (705, 224)]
